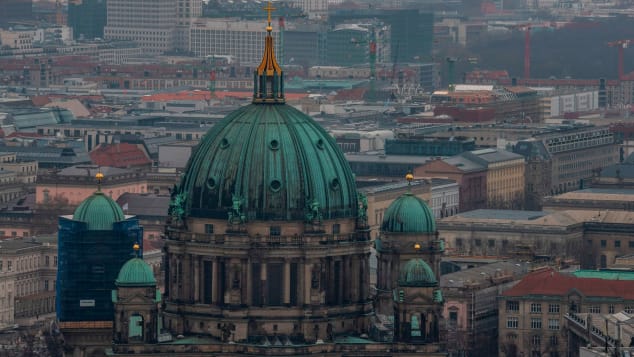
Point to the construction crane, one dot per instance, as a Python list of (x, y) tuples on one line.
[(526, 28), (622, 45)]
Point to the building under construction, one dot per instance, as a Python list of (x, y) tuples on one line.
[(488, 103)]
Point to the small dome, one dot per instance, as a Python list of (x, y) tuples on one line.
[(417, 273), (408, 214), (136, 272), (99, 212)]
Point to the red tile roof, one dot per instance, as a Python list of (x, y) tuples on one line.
[(119, 155), (552, 283)]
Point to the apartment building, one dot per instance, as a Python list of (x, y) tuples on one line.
[(504, 177), (563, 160), (533, 312), (242, 40), (153, 27), (28, 269)]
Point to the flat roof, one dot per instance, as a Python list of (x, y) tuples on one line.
[(504, 214), (605, 274)]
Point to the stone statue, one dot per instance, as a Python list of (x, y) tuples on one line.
[(313, 212), (177, 206), (362, 207), (236, 216)]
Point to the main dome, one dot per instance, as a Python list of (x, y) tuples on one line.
[(273, 159), (408, 214), (99, 212)]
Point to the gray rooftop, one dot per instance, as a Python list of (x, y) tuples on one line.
[(464, 164), (390, 159), (144, 204), (483, 273), (515, 215)]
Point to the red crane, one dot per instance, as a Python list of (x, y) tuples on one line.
[(621, 44), (527, 42)]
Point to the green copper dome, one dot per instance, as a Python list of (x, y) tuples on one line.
[(136, 272), (268, 162), (99, 212), (417, 273), (408, 214)]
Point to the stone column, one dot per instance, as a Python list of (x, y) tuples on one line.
[(300, 289), (244, 275), (197, 279), (354, 279), (287, 281), (308, 268), (249, 299), (214, 281), (363, 289), (265, 288)]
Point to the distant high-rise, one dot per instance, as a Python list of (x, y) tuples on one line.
[(186, 12), (153, 28), (15, 10), (87, 18), (93, 245)]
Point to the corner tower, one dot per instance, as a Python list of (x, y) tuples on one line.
[(268, 239), (408, 254)]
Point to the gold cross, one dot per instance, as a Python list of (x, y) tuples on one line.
[(269, 8)]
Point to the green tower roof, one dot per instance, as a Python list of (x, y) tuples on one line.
[(99, 212), (408, 214), (275, 162), (136, 272), (417, 273)]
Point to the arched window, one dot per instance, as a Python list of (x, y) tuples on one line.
[(135, 327), (415, 326)]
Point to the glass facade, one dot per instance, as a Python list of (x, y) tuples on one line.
[(89, 262)]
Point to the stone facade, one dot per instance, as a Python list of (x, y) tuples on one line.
[(28, 273)]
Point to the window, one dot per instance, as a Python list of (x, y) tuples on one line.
[(209, 228), (628, 308), (553, 308), (610, 309), (55, 260), (536, 340), (553, 324), (512, 306), (45, 285), (9, 263), (631, 244), (536, 308), (491, 243), (46, 261), (511, 322), (275, 230), (336, 228), (458, 242), (617, 244), (478, 242), (604, 243), (553, 340), (0, 265), (453, 318), (594, 309), (536, 323)]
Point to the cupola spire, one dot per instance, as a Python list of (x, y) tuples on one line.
[(268, 79)]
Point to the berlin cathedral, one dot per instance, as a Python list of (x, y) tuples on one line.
[(267, 250)]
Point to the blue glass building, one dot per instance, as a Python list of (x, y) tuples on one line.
[(93, 244)]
